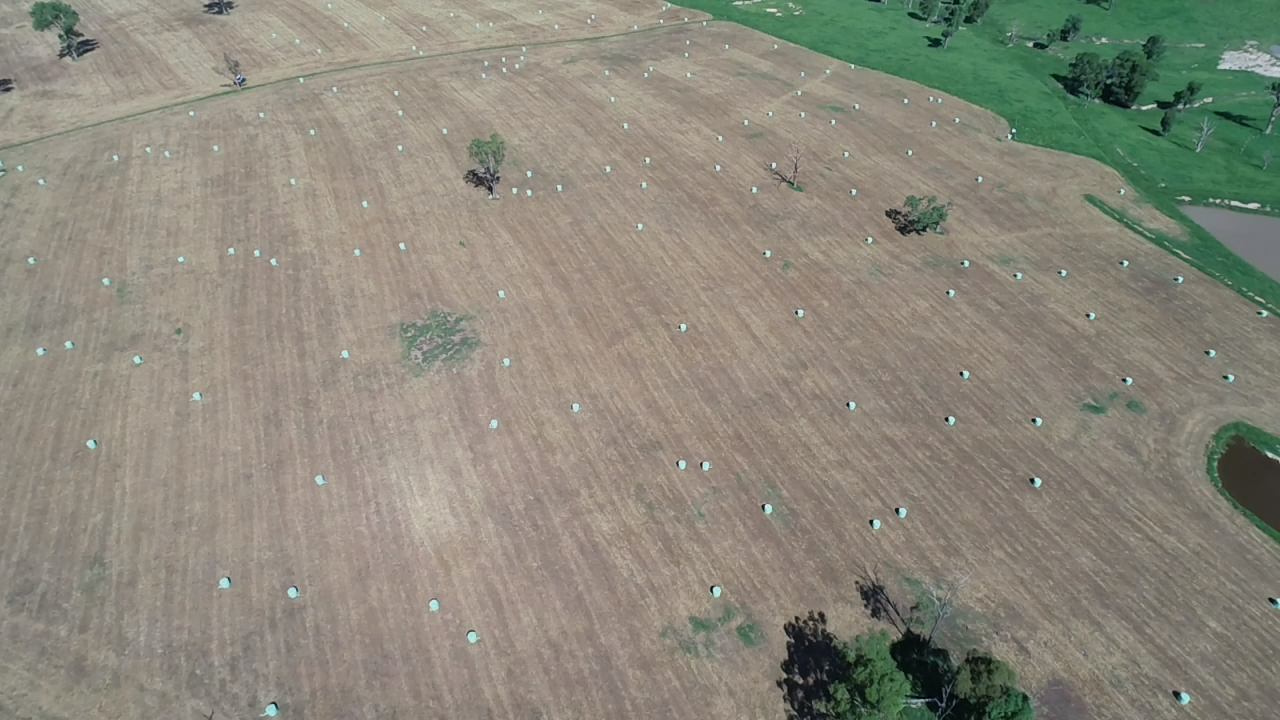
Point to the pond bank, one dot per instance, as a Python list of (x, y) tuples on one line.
[(1256, 238)]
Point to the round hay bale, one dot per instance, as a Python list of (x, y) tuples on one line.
[(716, 591), (224, 583), (1091, 316), (767, 509), (575, 407), (1124, 263), (1035, 482), (1017, 276), (1262, 313), (870, 240), (964, 263), (1127, 380), (851, 405), (1037, 421), (682, 327), (799, 313), (473, 637), (951, 293), (705, 465), (1062, 273), (1275, 602), (320, 480), (1211, 352), (271, 710), (1229, 378), (950, 420), (680, 464), (493, 424), (900, 512), (91, 444), (875, 524), (964, 374), (433, 605), (1178, 279), (1183, 698), (768, 253), (293, 592)]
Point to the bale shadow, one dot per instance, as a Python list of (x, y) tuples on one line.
[(1237, 118), (219, 7), (814, 659), (476, 179), (6, 85)]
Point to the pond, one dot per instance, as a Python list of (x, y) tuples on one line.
[(1252, 478), (1256, 238)]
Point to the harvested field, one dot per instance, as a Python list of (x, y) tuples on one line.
[(153, 54), (570, 541)]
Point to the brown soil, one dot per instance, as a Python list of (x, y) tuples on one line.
[(1253, 479), (570, 541)]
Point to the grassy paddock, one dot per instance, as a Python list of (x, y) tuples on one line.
[(1019, 84), (1257, 437)]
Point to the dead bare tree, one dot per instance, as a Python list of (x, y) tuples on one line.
[(1248, 140), (1206, 129), (1266, 158), (1012, 37), (877, 602), (790, 174), (231, 66), (942, 596)]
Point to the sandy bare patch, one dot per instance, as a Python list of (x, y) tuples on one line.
[(1252, 59)]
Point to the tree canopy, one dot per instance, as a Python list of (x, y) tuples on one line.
[(489, 156), (1127, 77), (1087, 76), (61, 17)]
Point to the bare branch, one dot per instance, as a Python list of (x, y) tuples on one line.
[(1206, 129)]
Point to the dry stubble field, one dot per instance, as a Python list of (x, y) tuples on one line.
[(571, 542)]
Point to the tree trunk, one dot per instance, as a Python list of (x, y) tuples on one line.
[(1275, 112), (1110, 5), (946, 40)]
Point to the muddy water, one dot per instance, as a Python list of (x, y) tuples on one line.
[(1253, 479), (1255, 238)]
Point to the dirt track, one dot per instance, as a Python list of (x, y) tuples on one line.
[(571, 541)]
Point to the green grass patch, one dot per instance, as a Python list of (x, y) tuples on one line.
[(177, 332), (707, 636), (1094, 408), (755, 136), (442, 339), (1018, 83), (124, 292), (832, 108), (786, 265), (797, 187), (1135, 406), (749, 634), (1255, 436)]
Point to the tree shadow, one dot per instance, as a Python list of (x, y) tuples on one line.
[(83, 47), (1237, 118), (900, 221), (219, 7), (1063, 80), (877, 602), (929, 667), (814, 659), (476, 179), (6, 85), (934, 42), (1153, 131)]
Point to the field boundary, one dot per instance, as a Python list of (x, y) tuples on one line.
[(327, 73), (1255, 436), (1211, 247)]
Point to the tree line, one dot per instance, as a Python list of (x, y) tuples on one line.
[(907, 675)]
